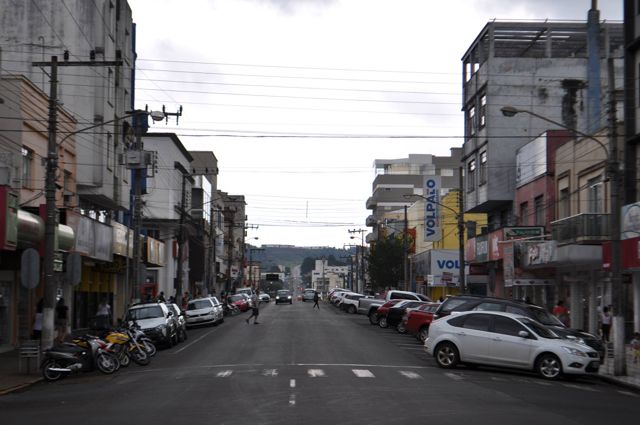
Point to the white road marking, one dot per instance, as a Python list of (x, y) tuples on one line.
[(315, 373), (495, 378), (292, 383), (410, 375), (363, 373), (270, 372), (628, 393), (453, 376), (224, 373), (193, 342), (292, 400)]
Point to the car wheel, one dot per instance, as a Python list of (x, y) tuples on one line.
[(383, 322), (181, 335), (352, 309), (423, 333), (401, 329), (446, 355), (549, 366), (184, 334), (373, 318)]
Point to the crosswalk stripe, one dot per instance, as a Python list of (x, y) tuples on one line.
[(581, 387), (315, 373), (454, 376), (224, 373), (363, 373), (410, 375), (270, 372)]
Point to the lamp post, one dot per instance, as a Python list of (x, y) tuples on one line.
[(250, 260), (613, 173), (460, 220)]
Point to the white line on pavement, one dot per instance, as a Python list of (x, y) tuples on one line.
[(193, 342), (628, 393), (292, 383), (581, 387), (292, 400), (362, 365), (410, 375), (270, 372), (224, 373), (363, 373), (315, 373), (453, 376)]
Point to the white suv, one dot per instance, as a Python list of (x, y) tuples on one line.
[(507, 340), (349, 302)]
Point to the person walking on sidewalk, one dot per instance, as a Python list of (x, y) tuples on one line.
[(255, 301), (605, 323), (61, 320), (316, 297)]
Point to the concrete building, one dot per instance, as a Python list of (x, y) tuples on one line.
[(235, 221), (557, 70), (324, 277), (36, 31), (397, 179)]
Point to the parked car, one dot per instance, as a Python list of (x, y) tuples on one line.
[(264, 297), (335, 292), (350, 302), (460, 303), (507, 340), (369, 306), (416, 321), (308, 294), (284, 296), (394, 315), (180, 321), (248, 291), (203, 311), (338, 296), (241, 301), (374, 317), (155, 320)]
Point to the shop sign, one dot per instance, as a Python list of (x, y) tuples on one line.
[(445, 266), (432, 209), (482, 249), (523, 232), (630, 221)]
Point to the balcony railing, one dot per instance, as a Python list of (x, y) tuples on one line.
[(582, 228), (370, 221)]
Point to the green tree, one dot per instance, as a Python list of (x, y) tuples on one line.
[(385, 260), (308, 264)]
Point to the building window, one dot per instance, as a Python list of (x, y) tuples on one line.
[(564, 208), (524, 213), (67, 194), (471, 175), (109, 86), (538, 207), (595, 198), (27, 168), (482, 116), (111, 152), (471, 121), (483, 167)]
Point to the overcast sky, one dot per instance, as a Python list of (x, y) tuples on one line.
[(340, 69)]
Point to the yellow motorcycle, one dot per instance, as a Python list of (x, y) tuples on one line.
[(127, 348)]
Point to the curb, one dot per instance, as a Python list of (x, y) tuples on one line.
[(19, 387), (619, 382)]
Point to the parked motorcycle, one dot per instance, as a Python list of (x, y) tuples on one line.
[(230, 309), (83, 355), (127, 348), (135, 331)]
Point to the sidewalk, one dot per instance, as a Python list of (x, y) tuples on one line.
[(11, 379)]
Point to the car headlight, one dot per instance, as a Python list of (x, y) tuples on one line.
[(277, 297), (289, 297), (577, 339), (575, 351)]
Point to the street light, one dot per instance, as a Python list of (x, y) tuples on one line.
[(251, 260), (364, 282), (460, 220), (613, 173)]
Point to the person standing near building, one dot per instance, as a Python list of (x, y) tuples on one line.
[(561, 312), (103, 315), (61, 321), (37, 322), (316, 298), (605, 323)]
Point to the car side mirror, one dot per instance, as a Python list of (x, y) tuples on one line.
[(169, 314), (523, 334)]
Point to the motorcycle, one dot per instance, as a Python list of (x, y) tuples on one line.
[(127, 348), (83, 355), (230, 309), (135, 332)]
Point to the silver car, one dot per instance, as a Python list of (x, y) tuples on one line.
[(507, 340), (180, 321), (201, 311)]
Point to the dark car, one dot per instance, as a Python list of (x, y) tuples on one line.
[(479, 303), (395, 313), (284, 296)]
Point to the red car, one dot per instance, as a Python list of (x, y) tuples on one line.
[(241, 301), (382, 311), (416, 321)]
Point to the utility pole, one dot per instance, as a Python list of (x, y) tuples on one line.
[(179, 273), (460, 216), (619, 356), (364, 283), (405, 252), (50, 284)]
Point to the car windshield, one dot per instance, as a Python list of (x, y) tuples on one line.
[(237, 297), (546, 318), (424, 298), (539, 329), (198, 304), (283, 292), (150, 312)]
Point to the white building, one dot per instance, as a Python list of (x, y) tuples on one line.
[(325, 277)]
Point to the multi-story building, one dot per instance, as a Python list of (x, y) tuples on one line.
[(397, 179), (555, 70), (235, 221), (324, 277)]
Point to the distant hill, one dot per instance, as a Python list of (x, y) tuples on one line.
[(292, 256)]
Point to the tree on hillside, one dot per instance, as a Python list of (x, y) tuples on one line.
[(385, 261), (308, 264)]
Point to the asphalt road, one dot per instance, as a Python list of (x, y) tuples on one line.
[(300, 366)]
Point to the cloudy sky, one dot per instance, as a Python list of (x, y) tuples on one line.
[(297, 98)]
